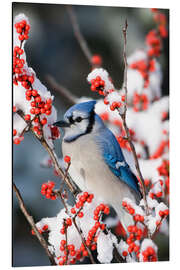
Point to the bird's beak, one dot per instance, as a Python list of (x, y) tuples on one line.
[(61, 123)]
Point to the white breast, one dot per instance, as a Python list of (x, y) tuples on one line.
[(90, 172)]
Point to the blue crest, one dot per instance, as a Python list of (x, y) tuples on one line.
[(86, 107)]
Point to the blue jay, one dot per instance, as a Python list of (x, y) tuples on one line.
[(97, 161)]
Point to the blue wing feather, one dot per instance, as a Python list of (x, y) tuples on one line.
[(112, 153)]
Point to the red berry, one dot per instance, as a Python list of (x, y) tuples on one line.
[(27, 27), (17, 141), (36, 120), (124, 204), (89, 200), (47, 106), (62, 248), (45, 227), (69, 221), (28, 93), (49, 101), (48, 112), (14, 132), (72, 252), (34, 92), (96, 60), (33, 104), (112, 108), (93, 88), (67, 159), (80, 214), (124, 253), (43, 110), (38, 99), (62, 231), (37, 110), (44, 121), (166, 212), (106, 102), (93, 247), (21, 37), (161, 213), (131, 211), (106, 210), (73, 211), (71, 247), (85, 253)]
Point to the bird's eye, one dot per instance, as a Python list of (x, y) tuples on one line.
[(79, 119)]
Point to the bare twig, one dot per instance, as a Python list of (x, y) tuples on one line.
[(33, 225), (65, 176), (78, 35), (61, 89), (125, 124)]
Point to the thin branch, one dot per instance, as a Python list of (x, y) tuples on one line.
[(125, 124), (33, 225), (84, 242), (63, 91), (78, 35), (157, 228), (67, 251)]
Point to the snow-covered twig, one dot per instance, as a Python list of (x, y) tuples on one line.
[(123, 116)]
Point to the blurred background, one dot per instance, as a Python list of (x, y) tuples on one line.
[(53, 50)]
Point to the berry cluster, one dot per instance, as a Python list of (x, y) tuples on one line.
[(131, 211), (160, 149), (22, 28), (96, 60), (161, 20), (98, 84), (149, 255), (154, 43), (18, 63), (17, 140), (164, 168), (47, 190), (140, 102), (90, 241), (164, 213), (115, 105), (135, 233), (144, 67), (39, 106), (159, 193)]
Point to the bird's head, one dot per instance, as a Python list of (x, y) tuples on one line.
[(78, 120)]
